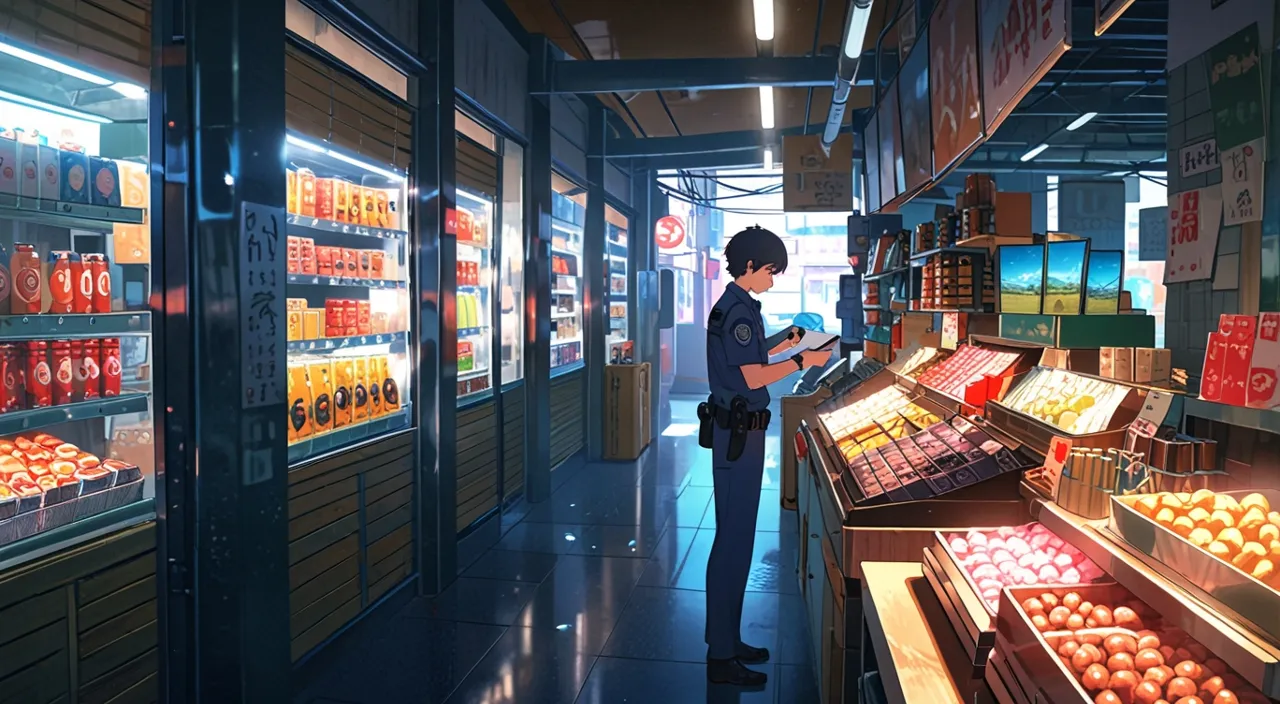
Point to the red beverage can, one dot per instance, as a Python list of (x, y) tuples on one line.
[(333, 314), (111, 367), (28, 282), (88, 373), (13, 394), (82, 284), (39, 377), (101, 284), (61, 283), (63, 376)]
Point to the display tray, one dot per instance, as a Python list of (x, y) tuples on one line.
[(313, 280), (306, 226), (23, 518), (42, 326), (968, 616), (316, 445), (73, 215), (1036, 435), (1253, 603)]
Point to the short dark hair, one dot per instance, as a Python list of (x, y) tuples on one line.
[(758, 246)]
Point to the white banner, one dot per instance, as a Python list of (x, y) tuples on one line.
[(1242, 183), (1153, 227), (1199, 157), (1020, 42), (1195, 218)]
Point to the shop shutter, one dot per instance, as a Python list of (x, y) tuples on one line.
[(113, 36), (324, 101), (477, 168), (477, 463), (567, 419)]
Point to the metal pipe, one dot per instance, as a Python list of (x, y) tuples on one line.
[(855, 33)]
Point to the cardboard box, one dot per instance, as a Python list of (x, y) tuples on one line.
[(1116, 363), (1079, 331), (1263, 368), (626, 404), (1151, 365)]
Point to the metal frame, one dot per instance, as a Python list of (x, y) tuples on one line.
[(538, 166), (593, 270)]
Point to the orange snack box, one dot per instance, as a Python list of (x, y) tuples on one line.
[(321, 409), (344, 378)]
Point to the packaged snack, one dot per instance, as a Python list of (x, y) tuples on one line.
[(341, 200), (324, 261), (390, 389), (380, 322), (61, 286), (307, 255), (369, 201), (350, 317), (50, 173), (355, 204), (28, 282), (8, 165), (311, 329), (299, 400), (28, 169), (375, 388), (364, 323), (105, 182), (324, 198), (293, 254), (75, 176), (381, 200), (292, 188), (293, 325), (82, 284), (88, 371), (321, 408), (333, 317), (376, 259), (306, 193), (111, 366), (63, 377), (361, 394), (365, 265), (135, 187), (344, 372), (350, 263), (13, 390), (98, 264), (39, 377)]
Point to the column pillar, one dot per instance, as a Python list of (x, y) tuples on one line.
[(537, 281), (596, 292)]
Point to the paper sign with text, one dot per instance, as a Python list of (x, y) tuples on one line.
[(1242, 183), (1153, 226), (1198, 158), (1054, 460), (813, 181), (1195, 219)]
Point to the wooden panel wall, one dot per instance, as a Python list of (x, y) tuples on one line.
[(111, 35), (88, 613), (477, 462), (567, 421), (350, 535), (512, 442)]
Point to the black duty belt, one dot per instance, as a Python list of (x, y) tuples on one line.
[(755, 420)]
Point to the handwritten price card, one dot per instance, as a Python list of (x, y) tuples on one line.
[(1195, 218), (262, 274), (814, 182)]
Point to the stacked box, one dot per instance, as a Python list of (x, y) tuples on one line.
[(947, 281)]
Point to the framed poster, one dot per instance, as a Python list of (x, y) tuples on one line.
[(890, 147), (1020, 272), (1064, 276), (1106, 12), (1195, 221), (955, 98), (1103, 281), (917, 136), (871, 148), (1021, 41), (1235, 88)]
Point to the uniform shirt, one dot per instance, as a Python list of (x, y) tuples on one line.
[(735, 336)]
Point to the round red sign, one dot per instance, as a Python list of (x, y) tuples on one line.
[(668, 232)]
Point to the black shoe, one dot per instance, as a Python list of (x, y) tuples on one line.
[(733, 672), (751, 655)]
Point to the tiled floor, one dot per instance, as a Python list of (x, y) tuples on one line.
[(595, 596)]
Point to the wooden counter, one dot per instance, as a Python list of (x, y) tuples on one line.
[(921, 660)]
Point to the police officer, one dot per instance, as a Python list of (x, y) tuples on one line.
[(733, 424)]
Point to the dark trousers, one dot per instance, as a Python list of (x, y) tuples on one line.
[(737, 499)]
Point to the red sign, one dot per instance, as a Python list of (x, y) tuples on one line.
[(450, 221), (668, 232), (953, 81)]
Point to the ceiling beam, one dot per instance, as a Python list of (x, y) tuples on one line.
[(716, 142), (636, 75), (1092, 161)]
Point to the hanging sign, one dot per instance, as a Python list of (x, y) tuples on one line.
[(1195, 218), (668, 232), (1021, 41), (954, 99), (261, 295), (871, 148), (813, 182), (1235, 88), (1106, 12), (1153, 226), (1242, 183), (917, 137), (891, 169), (950, 331), (450, 221), (1095, 210), (1054, 460), (1198, 158)]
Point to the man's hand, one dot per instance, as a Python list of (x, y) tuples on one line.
[(815, 358), (793, 335)]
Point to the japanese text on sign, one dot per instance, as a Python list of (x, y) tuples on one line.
[(1235, 88), (1199, 157), (1195, 217), (261, 304), (1020, 39), (1025, 24)]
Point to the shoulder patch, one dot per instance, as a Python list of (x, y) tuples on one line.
[(743, 331)]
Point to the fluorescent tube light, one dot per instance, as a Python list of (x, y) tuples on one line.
[(1081, 121), (766, 107), (366, 166), (50, 107), (764, 19), (297, 142), (856, 35), (1033, 153), (768, 159), (54, 64), (129, 90)]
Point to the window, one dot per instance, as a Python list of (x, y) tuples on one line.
[(511, 270)]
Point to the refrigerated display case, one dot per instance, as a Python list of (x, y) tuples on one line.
[(617, 335), (77, 458), (511, 269), (475, 292), (348, 285), (568, 216)]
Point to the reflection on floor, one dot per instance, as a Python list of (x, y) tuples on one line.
[(594, 596)]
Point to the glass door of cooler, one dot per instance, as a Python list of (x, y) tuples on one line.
[(617, 336), (475, 293), (568, 215), (76, 428), (348, 288)]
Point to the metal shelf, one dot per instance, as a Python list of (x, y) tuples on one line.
[(974, 251), (299, 225), (472, 373), (342, 281), (31, 419), (82, 216), (334, 344), (320, 444), (886, 274), (566, 341), (46, 325), (472, 332), (1267, 421)]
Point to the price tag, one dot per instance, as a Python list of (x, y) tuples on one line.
[(1054, 460), (379, 338), (1156, 407)]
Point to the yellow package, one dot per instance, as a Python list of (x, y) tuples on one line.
[(321, 397), (344, 379), (361, 394), (293, 325), (390, 388), (375, 387), (311, 324), (299, 400)]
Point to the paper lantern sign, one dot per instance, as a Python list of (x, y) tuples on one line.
[(668, 232)]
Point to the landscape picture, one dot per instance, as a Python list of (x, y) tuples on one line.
[(1103, 282), (1064, 277), (1021, 268)]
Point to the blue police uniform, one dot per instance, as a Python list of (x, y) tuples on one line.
[(735, 337)]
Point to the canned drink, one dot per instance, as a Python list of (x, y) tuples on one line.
[(101, 283), (13, 393), (61, 284), (63, 376), (88, 371), (39, 377), (111, 367)]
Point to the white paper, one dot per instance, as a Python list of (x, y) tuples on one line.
[(1199, 157), (1242, 183), (813, 340), (1153, 226), (1195, 219)]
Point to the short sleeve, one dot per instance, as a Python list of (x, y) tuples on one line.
[(743, 338)]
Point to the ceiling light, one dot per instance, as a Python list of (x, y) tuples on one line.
[(129, 90), (856, 32), (1081, 121), (366, 166), (766, 107), (297, 142), (1033, 153), (53, 64), (50, 107), (764, 19), (768, 159)]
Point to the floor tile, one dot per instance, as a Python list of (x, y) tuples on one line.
[(618, 680), (636, 542), (558, 538), (669, 624), (527, 666), (583, 595), (477, 542), (797, 684), (513, 566), (472, 600), (691, 506), (670, 558), (793, 632), (773, 566)]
